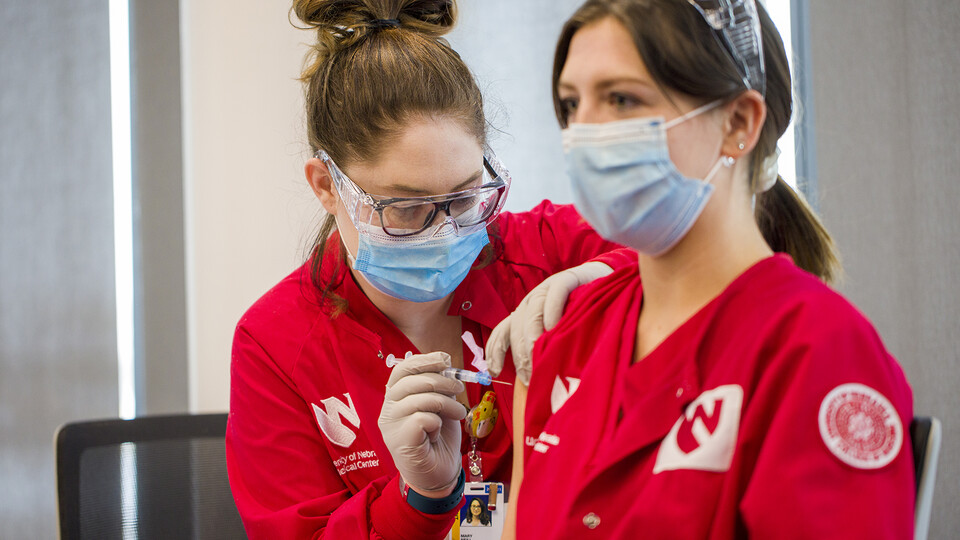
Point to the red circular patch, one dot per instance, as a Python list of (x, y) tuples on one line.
[(860, 426)]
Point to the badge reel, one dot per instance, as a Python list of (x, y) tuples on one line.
[(484, 509), (485, 506), (478, 424)]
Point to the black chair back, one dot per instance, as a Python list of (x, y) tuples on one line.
[(925, 435), (150, 477)]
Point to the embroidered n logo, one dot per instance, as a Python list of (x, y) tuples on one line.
[(705, 436), (330, 423)]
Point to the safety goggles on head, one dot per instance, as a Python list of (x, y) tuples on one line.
[(466, 211), (738, 24)]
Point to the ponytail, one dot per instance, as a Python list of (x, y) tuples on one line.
[(790, 226)]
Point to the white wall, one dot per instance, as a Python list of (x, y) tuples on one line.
[(248, 209), (250, 215)]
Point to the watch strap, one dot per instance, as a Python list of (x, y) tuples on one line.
[(429, 505)]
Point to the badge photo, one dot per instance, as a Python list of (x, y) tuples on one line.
[(483, 512)]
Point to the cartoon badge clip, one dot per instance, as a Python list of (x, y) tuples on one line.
[(482, 418), (479, 423)]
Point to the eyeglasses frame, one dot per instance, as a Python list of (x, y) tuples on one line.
[(501, 182)]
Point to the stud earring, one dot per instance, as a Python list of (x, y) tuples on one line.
[(741, 146)]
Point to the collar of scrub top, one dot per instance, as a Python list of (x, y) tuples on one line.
[(737, 26), (358, 202)]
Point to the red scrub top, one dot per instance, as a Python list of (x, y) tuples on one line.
[(304, 453), (773, 412)]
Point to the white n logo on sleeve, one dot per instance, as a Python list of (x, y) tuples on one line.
[(560, 393), (330, 423)]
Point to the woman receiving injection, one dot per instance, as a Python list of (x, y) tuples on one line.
[(732, 394)]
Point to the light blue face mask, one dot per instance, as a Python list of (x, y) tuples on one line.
[(419, 268), (626, 187)]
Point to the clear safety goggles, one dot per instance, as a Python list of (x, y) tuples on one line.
[(465, 211), (738, 24)]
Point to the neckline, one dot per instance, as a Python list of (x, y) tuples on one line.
[(732, 288)]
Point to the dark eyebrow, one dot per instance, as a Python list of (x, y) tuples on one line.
[(628, 80), (417, 192), (607, 83)]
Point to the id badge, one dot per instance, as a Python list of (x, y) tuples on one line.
[(483, 512)]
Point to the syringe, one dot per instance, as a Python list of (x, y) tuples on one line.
[(483, 378)]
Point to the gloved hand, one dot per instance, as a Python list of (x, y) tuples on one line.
[(420, 422), (539, 311)]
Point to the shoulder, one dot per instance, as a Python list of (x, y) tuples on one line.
[(545, 211), (808, 334), (593, 318), (290, 299), (593, 301), (799, 304), (544, 222), (279, 321), (783, 307), (527, 246)]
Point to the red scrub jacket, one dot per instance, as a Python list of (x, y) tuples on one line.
[(773, 412), (304, 453)]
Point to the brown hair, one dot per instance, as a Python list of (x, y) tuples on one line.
[(375, 65), (682, 53)]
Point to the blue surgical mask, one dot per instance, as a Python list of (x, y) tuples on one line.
[(626, 187), (419, 268)]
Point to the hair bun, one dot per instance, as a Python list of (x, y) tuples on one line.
[(341, 24), (431, 17)]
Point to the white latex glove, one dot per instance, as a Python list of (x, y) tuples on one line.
[(539, 311), (420, 422)]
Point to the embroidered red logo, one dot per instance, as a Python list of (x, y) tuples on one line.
[(705, 436), (706, 423), (860, 426)]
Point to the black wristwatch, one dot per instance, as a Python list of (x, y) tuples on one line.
[(429, 505)]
